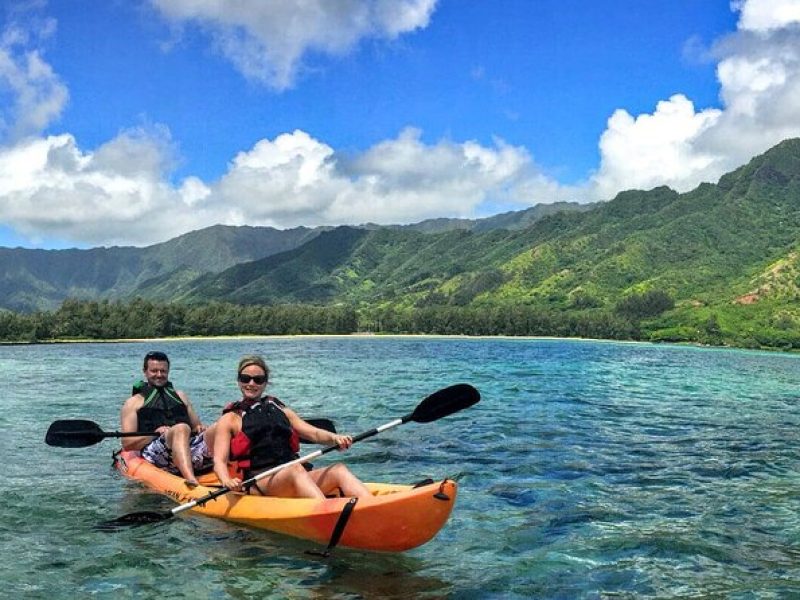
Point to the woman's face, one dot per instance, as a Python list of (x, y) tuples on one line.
[(249, 379)]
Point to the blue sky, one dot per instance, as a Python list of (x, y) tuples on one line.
[(131, 122)]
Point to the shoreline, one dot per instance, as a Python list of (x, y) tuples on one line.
[(362, 335), (310, 335)]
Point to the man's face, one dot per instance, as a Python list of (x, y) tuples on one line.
[(157, 372)]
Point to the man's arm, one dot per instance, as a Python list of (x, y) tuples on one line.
[(129, 421)]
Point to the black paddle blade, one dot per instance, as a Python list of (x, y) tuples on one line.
[(325, 424), (136, 519), (445, 402), (73, 434)]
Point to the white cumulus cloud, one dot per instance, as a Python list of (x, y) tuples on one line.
[(267, 40), (654, 149), (31, 94), (49, 187), (767, 15), (295, 179)]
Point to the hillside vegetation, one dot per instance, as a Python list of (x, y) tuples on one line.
[(43, 279)]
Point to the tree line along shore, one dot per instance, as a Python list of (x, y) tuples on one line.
[(636, 319)]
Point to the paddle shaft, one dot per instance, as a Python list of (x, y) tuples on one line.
[(302, 459), (79, 433), (117, 434)]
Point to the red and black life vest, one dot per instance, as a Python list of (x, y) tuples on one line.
[(162, 406), (266, 438)]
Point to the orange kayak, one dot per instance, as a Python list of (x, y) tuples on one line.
[(394, 519)]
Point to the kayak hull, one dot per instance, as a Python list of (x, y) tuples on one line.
[(396, 518)]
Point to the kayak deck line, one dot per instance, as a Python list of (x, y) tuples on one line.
[(397, 517)]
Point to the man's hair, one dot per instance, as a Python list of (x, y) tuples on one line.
[(157, 356)]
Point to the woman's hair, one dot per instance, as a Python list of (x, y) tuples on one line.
[(253, 359)]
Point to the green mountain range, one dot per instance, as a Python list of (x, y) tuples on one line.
[(718, 264), (42, 279)]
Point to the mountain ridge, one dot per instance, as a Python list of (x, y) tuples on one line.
[(35, 279)]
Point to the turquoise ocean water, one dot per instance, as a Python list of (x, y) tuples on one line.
[(588, 470)]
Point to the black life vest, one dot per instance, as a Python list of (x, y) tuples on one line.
[(162, 406), (266, 438)]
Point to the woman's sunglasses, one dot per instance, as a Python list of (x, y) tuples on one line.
[(257, 379)]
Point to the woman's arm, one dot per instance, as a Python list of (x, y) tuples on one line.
[(307, 431), (228, 426)]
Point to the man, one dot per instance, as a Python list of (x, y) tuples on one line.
[(156, 406)]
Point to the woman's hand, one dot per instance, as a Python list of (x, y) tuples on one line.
[(343, 441), (232, 483)]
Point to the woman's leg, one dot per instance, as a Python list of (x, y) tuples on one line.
[(291, 482), (338, 477)]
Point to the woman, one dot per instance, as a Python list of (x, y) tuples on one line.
[(259, 432)]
